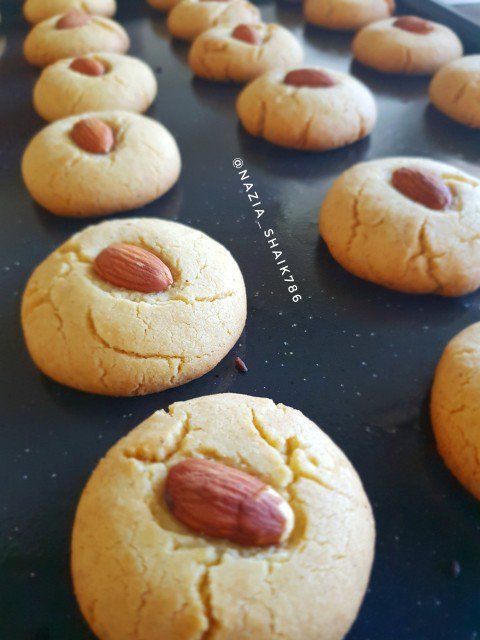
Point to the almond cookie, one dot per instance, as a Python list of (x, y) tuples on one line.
[(409, 224), (189, 18), (94, 82), (73, 34), (347, 15), (407, 45), (455, 407), (455, 90), (309, 109), (242, 53), (130, 307), (226, 516), (38, 10), (99, 163)]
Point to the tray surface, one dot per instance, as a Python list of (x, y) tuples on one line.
[(353, 357)]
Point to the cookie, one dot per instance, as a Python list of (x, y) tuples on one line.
[(455, 406), (163, 5), (189, 18), (455, 90), (346, 15), (409, 224), (141, 572), (38, 10), (309, 109), (242, 53), (94, 82), (71, 35), (99, 163), (134, 306), (406, 45)]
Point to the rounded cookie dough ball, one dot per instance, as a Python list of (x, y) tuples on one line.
[(346, 15), (409, 224), (100, 163), (36, 11), (189, 18), (94, 82), (138, 572), (73, 34), (242, 53), (308, 109), (455, 407), (407, 45), (455, 90), (95, 317)]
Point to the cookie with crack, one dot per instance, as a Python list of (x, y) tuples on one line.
[(242, 53), (409, 224), (406, 45), (346, 15), (296, 528), (130, 307), (455, 407), (100, 163), (36, 11), (189, 18), (309, 109), (73, 34), (94, 82), (455, 90)]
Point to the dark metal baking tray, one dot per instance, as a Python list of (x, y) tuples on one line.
[(355, 358)]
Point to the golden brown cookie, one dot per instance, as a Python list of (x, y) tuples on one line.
[(71, 35), (94, 82), (163, 5), (130, 307), (455, 90), (189, 18), (99, 163), (407, 45), (141, 572), (346, 15), (38, 10), (242, 53), (409, 224), (310, 109), (455, 407)]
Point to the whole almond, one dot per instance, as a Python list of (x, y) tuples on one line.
[(222, 502), (93, 135), (422, 187), (247, 33), (309, 78), (73, 19), (88, 66), (413, 24), (134, 268)]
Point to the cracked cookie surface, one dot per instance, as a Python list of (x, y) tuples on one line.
[(455, 90), (217, 55), (389, 49), (307, 118), (347, 15), (189, 18), (139, 574), (38, 10), (379, 234), (67, 180), (46, 44), (455, 407), (93, 336), (128, 84)]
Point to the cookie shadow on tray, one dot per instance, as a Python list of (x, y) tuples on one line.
[(292, 163), (325, 41), (220, 96), (444, 133), (391, 85)]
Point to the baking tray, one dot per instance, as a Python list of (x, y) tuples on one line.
[(355, 358)]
